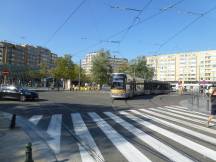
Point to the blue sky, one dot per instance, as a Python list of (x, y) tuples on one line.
[(34, 21)]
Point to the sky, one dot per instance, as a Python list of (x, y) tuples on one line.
[(157, 27)]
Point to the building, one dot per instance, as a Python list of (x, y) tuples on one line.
[(12, 54), (33, 57), (187, 66), (53, 58), (26, 55), (17, 58), (115, 62), (86, 62)]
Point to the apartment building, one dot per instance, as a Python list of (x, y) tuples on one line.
[(17, 59), (86, 62), (115, 62), (32, 53), (187, 66), (12, 54), (29, 55)]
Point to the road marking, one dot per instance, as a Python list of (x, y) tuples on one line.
[(130, 152), (202, 128), (161, 110), (84, 135), (188, 111), (188, 131), (206, 152), (85, 156), (170, 153), (181, 107), (54, 131), (35, 119), (187, 114)]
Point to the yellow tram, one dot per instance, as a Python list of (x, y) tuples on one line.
[(124, 86)]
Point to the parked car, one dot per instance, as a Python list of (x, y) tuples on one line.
[(15, 92)]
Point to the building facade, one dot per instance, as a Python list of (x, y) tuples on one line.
[(187, 66), (26, 55), (86, 62), (18, 58), (115, 62)]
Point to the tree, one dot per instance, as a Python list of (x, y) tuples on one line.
[(83, 76), (64, 68), (101, 67), (43, 70), (139, 68), (37, 73), (124, 68)]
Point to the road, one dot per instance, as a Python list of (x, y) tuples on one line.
[(84, 126)]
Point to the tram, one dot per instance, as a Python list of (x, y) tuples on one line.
[(124, 86)]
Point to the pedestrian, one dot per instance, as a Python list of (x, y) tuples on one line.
[(58, 85), (213, 106)]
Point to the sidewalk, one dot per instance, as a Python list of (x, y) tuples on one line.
[(197, 103), (13, 142)]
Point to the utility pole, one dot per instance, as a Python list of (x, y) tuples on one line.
[(114, 65), (79, 73), (134, 72)]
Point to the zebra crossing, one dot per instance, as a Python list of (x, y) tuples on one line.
[(168, 133)]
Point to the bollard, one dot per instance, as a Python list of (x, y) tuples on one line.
[(29, 153), (13, 122)]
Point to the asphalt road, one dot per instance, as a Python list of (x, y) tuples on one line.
[(84, 126)]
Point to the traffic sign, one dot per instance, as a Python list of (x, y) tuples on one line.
[(5, 72)]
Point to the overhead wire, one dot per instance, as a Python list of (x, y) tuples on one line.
[(126, 28), (137, 17), (186, 27), (65, 21)]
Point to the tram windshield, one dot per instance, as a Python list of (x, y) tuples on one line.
[(118, 81), (118, 84)]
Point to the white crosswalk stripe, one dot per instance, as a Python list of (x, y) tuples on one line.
[(181, 107), (35, 119), (188, 111), (202, 128), (82, 132), (85, 156), (187, 114), (157, 145), (177, 138), (188, 131), (164, 122), (54, 131), (127, 149), (161, 110), (199, 113)]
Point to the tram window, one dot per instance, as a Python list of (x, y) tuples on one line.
[(119, 84)]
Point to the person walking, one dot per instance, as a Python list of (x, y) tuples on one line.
[(213, 107)]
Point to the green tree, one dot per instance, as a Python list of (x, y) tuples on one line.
[(64, 68), (83, 76), (124, 68), (101, 67), (43, 71), (139, 68)]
